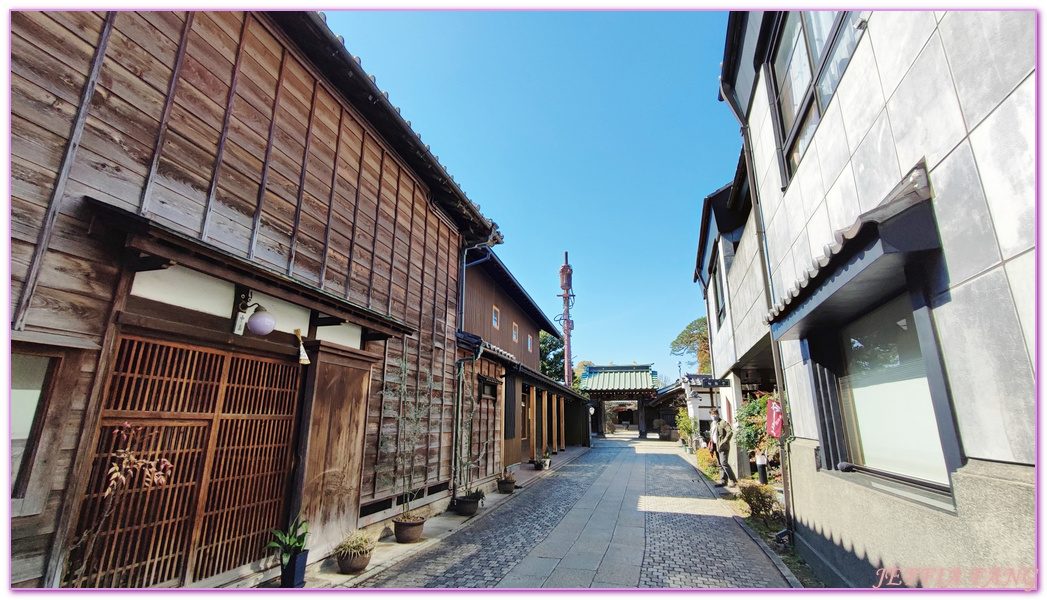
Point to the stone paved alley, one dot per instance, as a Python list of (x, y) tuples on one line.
[(629, 513)]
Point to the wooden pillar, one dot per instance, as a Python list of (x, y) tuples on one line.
[(545, 424), (641, 418), (556, 423), (530, 418), (563, 441)]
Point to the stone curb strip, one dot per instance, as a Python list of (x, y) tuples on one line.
[(417, 548), (771, 554)]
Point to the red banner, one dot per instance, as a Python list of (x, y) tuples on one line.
[(774, 418)]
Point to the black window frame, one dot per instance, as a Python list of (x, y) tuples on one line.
[(822, 350), (716, 281), (810, 105)]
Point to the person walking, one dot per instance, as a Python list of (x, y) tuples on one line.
[(720, 444)]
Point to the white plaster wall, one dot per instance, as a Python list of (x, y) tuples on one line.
[(186, 288), (722, 345), (956, 89), (346, 334), (747, 289)]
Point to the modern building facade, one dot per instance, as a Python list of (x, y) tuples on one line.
[(889, 162)]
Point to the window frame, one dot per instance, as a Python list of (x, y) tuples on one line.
[(717, 284), (529, 343), (516, 332), (61, 381), (823, 352), (496, 317), (20, 484), (525, 404), (810, 105)]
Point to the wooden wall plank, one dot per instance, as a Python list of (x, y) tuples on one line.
[(224, 131), (265, 165), (33, 275)]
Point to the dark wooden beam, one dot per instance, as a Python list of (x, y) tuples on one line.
[(329, 321), (148, 263), (301, 181), (356, 209), (225, 338), (374, 238), (330, 202), (268, 153), (371, 335), (76, 131), (212, 188), (82, 465), (172, 88), (392, 252)]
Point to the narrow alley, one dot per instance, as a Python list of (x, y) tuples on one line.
[(627, 514)]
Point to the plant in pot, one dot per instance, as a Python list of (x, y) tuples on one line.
[(506, 482), (410, 410), (354, 553), (290, 545), (546, 459), (466, 505)]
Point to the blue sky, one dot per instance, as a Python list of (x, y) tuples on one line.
[(595, 133)]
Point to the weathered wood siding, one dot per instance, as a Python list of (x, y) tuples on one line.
[(253, 153), (481, 293), (484, 429)]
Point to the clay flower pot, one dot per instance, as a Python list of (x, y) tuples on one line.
[(466, 507), (408, 531), (506, 486), (350, 564)]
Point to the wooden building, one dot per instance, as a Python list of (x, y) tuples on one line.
[(621, 384), (171, 170), (521, 412)]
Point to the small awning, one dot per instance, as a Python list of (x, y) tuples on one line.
[(865, 263)]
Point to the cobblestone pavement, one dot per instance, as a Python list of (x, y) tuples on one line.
[(480, 556), (692, 541), (629, 513)]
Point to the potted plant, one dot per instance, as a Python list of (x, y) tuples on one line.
[(290, 545), (354, 553), (467, 504), (410, 412), (546, 459), (507, 481)]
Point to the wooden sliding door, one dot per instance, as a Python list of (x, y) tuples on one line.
[(226, 421)]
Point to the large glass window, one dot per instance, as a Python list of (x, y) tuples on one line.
[(30, 378), (813, 50), (885, 401)]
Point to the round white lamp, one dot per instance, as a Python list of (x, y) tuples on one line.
[(261, 322)]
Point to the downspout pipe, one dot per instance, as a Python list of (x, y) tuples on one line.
[(459, 365), (726, 91), (459, 370)]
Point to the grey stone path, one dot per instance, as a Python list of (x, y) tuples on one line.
[(629, 513)]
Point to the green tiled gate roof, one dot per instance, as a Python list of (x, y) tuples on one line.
[(619, 377)]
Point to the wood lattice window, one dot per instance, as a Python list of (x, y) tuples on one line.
[(226, 421)]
